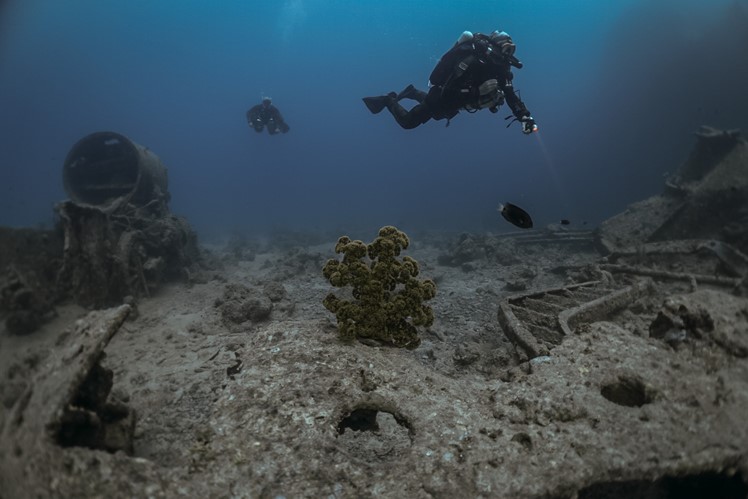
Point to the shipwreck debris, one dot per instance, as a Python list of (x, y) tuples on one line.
[(604, 306), (694, 279), (24, 301), (120, 237), (706, 199), (96, 420), (675, 322), (29, 260), (108, 170), (695, 261), (712, 146), (67, 405), (503, 248), (530, 320), (538, 321)]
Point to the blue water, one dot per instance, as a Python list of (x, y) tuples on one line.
[(616, 87)]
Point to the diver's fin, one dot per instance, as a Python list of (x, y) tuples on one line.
[(408, 92), (377, 104)]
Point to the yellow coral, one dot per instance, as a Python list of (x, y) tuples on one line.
[(388, 300)]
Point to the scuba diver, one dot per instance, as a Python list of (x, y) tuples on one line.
[(474, 74), (266, 115)]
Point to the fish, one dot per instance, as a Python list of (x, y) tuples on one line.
[(515, 215), (565, 221)]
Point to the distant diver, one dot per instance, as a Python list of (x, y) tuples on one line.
[(266, 115), (474, 74), (515, 215)]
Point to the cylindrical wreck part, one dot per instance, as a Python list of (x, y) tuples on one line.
[(108, 170)]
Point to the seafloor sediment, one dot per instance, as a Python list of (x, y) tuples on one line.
[(271, 404)]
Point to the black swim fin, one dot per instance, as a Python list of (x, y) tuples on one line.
[(377, 104), (408, 92)]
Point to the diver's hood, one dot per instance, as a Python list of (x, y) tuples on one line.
[(503, 42)]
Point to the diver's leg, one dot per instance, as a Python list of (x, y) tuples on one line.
[(419, 115), (411, 92), (418, 95), (375, 105)]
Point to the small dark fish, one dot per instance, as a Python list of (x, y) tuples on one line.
[(515, 215), (565, 221)]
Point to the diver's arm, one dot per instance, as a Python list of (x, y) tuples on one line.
[(518, 107), (253, 114), (279, 120), (520, 111)]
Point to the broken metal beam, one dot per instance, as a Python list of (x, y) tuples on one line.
[(673, 276), (28, 435), (604, 306)]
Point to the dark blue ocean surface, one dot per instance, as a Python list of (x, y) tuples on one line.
[(616, 87)]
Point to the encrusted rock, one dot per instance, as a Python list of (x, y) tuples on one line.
[(241, 304), (274, 291)]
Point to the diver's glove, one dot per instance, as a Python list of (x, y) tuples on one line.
[(528, 124)]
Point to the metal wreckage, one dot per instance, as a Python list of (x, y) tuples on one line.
[(672, 268), (694, 233), (115, 241)]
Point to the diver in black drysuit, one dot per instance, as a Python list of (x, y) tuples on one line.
[(266, 115), (474, 74)]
